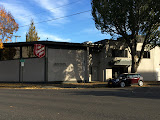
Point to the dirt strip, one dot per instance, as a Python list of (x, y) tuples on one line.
[(66, 85)]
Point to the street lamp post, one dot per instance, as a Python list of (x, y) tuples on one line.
[(16, 37)]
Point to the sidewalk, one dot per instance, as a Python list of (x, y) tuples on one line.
[(66, 85)]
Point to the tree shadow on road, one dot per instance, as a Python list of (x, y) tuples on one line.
[(141, 92)]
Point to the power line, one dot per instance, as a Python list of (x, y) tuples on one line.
[(58, 18), (53, 8)]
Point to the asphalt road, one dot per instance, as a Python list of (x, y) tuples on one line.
[(80, 104)]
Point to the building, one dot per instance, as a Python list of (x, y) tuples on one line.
[(62, 62), (74, 62), (114, 58)]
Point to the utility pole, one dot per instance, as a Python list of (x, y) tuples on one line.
[(16, 37)]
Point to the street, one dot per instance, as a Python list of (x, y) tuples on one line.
[(142, 103)]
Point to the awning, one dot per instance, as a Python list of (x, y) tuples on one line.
[(126, 62)]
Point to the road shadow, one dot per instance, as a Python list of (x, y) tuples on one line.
[(138, 92), (76, 85)]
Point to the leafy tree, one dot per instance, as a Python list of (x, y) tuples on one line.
[(32, 35), (7, 26), (8, 53), (129, 19)]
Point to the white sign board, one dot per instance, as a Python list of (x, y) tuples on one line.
[(22, 64)]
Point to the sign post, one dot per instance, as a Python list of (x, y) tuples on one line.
[(22, 65)]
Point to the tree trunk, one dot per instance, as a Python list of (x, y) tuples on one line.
[(134, 65), (134, 60)]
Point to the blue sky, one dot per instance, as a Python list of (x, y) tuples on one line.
[(77, 29)]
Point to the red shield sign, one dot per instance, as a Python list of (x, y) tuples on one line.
[(39, 50)]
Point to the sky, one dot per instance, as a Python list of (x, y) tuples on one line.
[(46, 15)]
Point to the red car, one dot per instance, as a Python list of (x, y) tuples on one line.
[(126, 79)]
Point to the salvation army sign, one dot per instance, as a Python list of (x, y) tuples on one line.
[(39, 50)]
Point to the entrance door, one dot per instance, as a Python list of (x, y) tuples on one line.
[(116, 71), (94, 76)]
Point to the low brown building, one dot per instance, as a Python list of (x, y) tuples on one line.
[(62, 62)]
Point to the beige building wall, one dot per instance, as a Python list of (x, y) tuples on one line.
[(67, 65), (149, 67), (108, 74), (156, 60)]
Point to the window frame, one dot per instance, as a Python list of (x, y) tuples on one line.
[(119, 53)]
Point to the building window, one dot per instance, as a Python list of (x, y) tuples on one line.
[(119, 53), (145, 55), (9, 53), (27, 52)]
